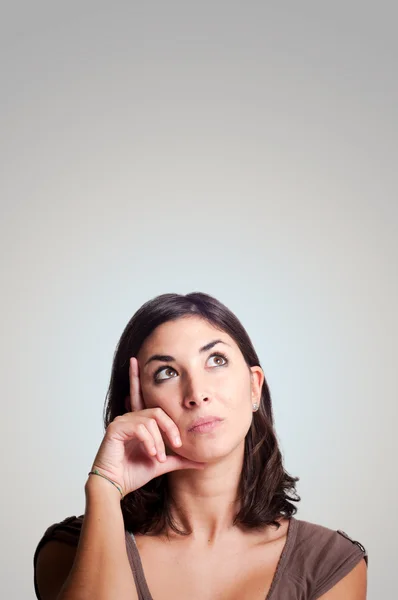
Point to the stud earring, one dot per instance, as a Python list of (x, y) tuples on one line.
[(255, 407)]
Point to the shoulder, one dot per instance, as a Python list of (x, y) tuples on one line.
[(66, 531), (54, 555), (323, 556)]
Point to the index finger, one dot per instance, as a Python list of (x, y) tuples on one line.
[(136, 399)]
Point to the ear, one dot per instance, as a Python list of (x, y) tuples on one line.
[(257, 380)]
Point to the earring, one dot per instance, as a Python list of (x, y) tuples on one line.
[(255, 407)]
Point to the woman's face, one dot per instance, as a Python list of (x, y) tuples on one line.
[(190, 369)]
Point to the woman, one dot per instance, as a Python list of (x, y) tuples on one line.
[(187, 497)]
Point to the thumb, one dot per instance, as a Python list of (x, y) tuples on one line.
[(176, 463)]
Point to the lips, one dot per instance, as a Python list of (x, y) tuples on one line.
[(204, 421)]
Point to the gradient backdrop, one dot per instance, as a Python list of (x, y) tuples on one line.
[(243, 149)]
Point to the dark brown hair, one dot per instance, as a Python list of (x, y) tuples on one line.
[(265, 490)]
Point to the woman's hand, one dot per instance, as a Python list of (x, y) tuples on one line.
[(132, 451)]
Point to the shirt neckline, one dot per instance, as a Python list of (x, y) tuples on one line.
[(283, 559)]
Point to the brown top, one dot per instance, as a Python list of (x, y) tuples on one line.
[(313, 559)]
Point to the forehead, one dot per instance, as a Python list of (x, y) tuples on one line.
[(186, 332)]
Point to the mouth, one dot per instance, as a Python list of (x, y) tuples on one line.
[(205, 425)]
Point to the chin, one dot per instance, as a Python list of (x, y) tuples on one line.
[(209, 451)]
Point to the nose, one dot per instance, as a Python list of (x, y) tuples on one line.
[(194, 394)]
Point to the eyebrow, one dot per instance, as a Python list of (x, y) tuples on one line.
[(168, 358)]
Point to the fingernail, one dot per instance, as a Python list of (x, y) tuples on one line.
[(162, 456), (177, 441)]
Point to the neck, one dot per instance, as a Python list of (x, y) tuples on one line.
[(206, 502)]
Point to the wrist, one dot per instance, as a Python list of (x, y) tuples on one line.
[(97, 486)]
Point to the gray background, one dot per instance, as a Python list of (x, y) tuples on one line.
[(248, 150)]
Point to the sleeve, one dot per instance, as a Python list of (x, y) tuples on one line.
[(337, 558), (67, 531)]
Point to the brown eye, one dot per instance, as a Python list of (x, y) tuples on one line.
[(219, 360), (167, 371)]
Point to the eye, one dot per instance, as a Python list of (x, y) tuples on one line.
[(220, 359), (165, 370)]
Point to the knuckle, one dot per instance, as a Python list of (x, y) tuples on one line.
[(112, 426), (142, 429), (119, 419)]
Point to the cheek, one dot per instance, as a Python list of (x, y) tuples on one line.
[(155, 396), (239, 392), (149, 394)]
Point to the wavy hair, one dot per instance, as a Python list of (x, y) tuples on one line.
[(266, 491)]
